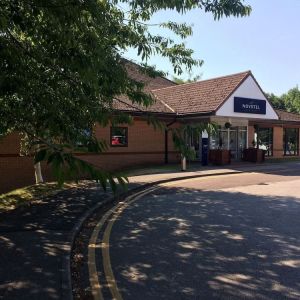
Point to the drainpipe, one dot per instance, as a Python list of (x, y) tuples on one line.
[(167, 141)]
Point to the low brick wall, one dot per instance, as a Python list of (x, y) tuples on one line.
[(146, 146), (16, 172)]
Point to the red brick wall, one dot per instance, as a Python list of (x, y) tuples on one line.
[(277, 142), (251, 132), (10, 144), (145, 146), (16, 172)]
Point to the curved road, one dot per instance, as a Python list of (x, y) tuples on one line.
[(225, 237)]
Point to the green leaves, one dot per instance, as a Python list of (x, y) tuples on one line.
[(61, 68), (67, 165), (289, 101), (181, 136)]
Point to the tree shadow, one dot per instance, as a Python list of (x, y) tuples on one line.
[(34, 240), (181, 243)]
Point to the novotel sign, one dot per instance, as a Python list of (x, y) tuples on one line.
[(249, 106)]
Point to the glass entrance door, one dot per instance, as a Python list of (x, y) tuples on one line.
[(195, 144), (242, 141), (233, 139), (233, 143)]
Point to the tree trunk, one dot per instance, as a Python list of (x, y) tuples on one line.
[(183, 163), (38, 173)]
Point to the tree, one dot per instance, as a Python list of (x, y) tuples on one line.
[(292, 100), (289, 101), (179, 80), (61, 67), (276, 101)]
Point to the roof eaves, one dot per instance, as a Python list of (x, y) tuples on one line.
[(196, 114), (247, 74), (265, 95)]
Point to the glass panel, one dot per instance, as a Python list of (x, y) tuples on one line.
[(194, 143), (214, 141), (266, 140), (223, 139), (118, 136), (242, 141), (291, 141), (233, 143), (86, 134), (219, 140)]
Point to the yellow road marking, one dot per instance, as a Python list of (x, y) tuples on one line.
[(116, 211), (112, 284), (92, 268), (93, 274)]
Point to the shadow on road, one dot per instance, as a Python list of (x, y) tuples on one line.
[(188, 244), (33, 241)]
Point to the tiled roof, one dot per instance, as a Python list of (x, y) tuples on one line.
[(124, 104), (204, 96), (288, 116), (134, 71), (201, 96)]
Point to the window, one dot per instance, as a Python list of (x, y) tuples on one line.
[(219, 140), (119, 136), (291, 141), (265, 136), (83, 137)]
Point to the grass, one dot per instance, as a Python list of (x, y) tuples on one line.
[(29, 195)]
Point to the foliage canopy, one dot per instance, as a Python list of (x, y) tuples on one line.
[(289, 101), (61, 67)]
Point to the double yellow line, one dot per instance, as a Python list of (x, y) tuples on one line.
[(104, 244)]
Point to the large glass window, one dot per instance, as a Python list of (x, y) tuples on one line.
[(85, 135), (119, 136), (291, 141), (194, 143), (219, 140), (265, 136)]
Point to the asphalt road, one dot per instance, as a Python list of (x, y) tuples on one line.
[(226, 237)]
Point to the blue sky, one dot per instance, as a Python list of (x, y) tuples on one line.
[(267, 43)]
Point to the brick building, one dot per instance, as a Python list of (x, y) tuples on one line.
[(235, 102)]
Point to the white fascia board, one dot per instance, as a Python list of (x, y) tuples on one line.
[(248, 89)]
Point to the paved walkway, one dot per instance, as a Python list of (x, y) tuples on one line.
[(34, 240)]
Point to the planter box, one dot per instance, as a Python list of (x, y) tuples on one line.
[(254, 155), (220, 157)]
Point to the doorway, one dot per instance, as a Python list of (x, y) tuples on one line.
[(233, 139), (195, 143)]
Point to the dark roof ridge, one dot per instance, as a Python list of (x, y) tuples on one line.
[(137, 64), (205, 80)]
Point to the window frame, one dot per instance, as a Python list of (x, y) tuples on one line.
[(270, 135), (285, 139), (88, 132), (111, 135)]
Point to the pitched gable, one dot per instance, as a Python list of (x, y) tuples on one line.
[(248, 91), (201, 96)]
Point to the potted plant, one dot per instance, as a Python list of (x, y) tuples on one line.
[(227, 125), (220, 156)]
